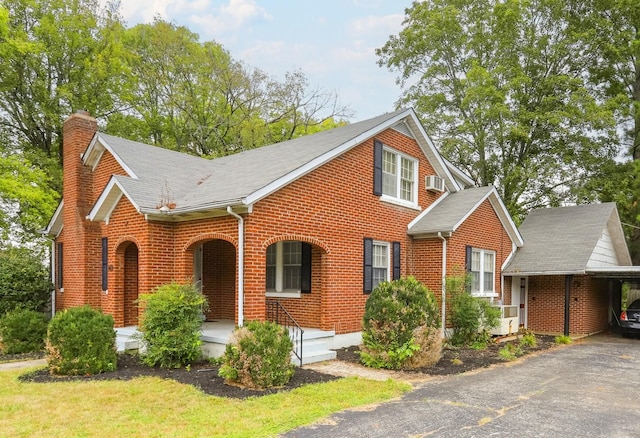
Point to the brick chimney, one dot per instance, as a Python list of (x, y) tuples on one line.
[(80, 236)]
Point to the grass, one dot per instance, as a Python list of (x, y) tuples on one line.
[(153, 407)]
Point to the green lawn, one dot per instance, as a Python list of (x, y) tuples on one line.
[(152, 407)]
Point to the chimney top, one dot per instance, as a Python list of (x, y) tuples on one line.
[(83, 112)]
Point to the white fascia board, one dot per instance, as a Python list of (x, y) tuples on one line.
[(427, 210), (55, 225), (617, 236), (432, 152), (96, 149), (542, 273), (514, 248), (501, 211), (458, 173), (322, 159), (108, 200)]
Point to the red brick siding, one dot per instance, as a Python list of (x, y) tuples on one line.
[(588, 309)]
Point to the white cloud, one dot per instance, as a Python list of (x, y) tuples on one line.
[(231, 17), (377, 25)]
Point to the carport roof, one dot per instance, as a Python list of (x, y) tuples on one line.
[(579, 239)]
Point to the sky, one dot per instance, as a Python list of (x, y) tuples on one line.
[(332, 41)]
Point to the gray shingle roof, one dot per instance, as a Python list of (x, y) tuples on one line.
[(194, 182), (448, 214), (560, 240)]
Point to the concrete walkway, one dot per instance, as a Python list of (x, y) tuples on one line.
[(6, 366), (589, 389)]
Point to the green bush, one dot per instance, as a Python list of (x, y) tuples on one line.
[(170, 326), (400, 326), (258, 356), (529, 340), (563, 340), (81, 341), (24, 281), (22, 331), (472, 318), (510, 352)]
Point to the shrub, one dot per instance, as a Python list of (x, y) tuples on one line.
[(23, 331), (529, 340), (471, 317), (510, 352), (24, 281), (258, 356), (81, 341), (400, 326), (170, 326), (563, 340)]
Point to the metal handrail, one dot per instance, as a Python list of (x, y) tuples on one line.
[(278, 314)]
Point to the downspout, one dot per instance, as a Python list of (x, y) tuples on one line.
[(53, 278), (444, 282), (240, 264)]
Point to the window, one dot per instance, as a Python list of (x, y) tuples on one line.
[(394, 175), (105, 263), (482, 270), (59, 282), (288, 267), (377, 263)]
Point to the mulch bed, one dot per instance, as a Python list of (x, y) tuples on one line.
[(204, 375)]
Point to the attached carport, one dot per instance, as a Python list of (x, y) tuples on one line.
[(574, 261)]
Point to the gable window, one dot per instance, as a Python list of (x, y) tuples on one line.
[(377, 263), (288, 268), (59, 271), (482, 268), (395, 175), (105, 263)]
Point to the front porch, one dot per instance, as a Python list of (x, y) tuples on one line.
[(316, 344)]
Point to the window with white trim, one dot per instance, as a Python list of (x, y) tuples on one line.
[(399, 176), (483, 268), (380, 263), (285, 267)]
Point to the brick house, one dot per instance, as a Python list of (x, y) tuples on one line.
[(314, 223)]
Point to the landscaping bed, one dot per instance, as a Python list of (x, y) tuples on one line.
[(204, 375)]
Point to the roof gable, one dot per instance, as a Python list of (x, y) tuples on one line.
[(451, 210), (570, 240)]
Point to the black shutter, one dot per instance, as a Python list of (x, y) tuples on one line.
[(467, 258), (396, 260), (377, 167), (59, 270), (305, 270), (368, 265), (105, 263)]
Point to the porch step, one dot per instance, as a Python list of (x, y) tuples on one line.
[(125, 339), (315, 347)]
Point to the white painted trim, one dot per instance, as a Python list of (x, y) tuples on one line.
[(56, 224), (92, 155), (113, 184), (283, 294)]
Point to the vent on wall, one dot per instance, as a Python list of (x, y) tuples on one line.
[(434, 183)]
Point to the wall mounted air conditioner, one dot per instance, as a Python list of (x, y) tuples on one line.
[(509, 321), (434, 183)]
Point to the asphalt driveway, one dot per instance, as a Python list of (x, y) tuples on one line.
[(590, 389)]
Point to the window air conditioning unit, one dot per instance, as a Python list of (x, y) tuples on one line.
[(434, 183), (509, 321)]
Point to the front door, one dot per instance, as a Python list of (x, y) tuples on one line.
[(519, 298)]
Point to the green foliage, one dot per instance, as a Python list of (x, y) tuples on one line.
[(170, 326), (563, 340), (258, 355), (81, 340), (502, 87), (472, 318), (24, 281), (22, 331), (528, 340), (510, 352), (400, 319)]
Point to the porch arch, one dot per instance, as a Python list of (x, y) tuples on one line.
[(297, 237)]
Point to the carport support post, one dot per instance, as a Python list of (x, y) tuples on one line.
[(567, 302)]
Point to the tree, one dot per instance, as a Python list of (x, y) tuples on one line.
[(499, 84), (610, 32)]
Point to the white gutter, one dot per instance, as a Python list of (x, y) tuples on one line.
[(240, 264), (444, 282), (53, 278)]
